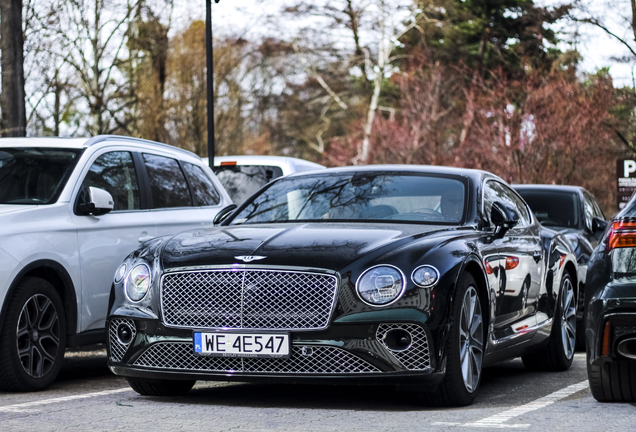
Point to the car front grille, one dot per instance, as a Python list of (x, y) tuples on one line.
[(416, 357), (248, 299), (304, 359)]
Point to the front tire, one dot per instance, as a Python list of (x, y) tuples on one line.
[(33, 337), (559, 353), (464, 348), (161, 387)]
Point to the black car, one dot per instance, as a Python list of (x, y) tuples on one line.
[(403, 275), (574, 212), (610, 297)]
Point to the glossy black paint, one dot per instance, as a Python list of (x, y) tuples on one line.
[(515, 326)]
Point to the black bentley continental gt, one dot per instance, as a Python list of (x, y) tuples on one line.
[(411, 276)]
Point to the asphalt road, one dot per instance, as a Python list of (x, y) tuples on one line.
[(88, 397)]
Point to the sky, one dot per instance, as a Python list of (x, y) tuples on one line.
[(597, 48)]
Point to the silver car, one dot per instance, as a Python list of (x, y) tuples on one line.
[(70, 211)]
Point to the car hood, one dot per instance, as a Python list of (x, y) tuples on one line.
[(321, 245)]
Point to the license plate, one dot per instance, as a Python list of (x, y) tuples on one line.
[(221, 344)]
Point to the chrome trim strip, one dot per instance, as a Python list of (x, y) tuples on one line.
[(249, 267), (525, 331)]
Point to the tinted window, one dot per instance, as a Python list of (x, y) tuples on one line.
[(496, 191), (167, 182), (115, 173), (362, 196), (32, 175), (242, 181), (553, 208), (203, 188)]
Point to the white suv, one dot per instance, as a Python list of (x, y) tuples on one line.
[(70, 211)]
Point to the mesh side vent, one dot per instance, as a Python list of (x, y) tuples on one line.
[(417, 356), (117, 348)]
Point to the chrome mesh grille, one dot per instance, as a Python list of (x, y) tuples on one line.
[(117, 348), (304, 359), (249, 299), (416, 356)]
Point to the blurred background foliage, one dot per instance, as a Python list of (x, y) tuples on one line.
[(471, 83)]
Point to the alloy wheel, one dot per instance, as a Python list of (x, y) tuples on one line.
[(471, 339), (568, 318), (38, 335)]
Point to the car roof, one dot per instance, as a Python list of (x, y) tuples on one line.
[(474, 174), (80, 143), (545, 187)]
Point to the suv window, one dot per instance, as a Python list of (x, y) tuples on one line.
[(204, 191), (167, 182), (496, 191), (553, 207), (242, 181), (34, 175), (115, 173)]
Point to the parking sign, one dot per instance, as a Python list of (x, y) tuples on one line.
[(625, 180)]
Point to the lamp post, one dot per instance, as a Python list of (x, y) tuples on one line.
[(210, 81)]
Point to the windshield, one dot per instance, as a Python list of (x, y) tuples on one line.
[(377, 196), (553, 208), (242, 181), (34, 175)]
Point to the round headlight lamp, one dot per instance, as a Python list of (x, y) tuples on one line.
[(425, 276), (381, 285), (138, 282), (120, 273)]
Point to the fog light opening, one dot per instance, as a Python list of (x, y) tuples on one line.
[(627, 348), (124, 333), (398, 340)]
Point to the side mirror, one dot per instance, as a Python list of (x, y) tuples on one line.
[(95, 201), (224, 214), (598, 226), (503, 218)]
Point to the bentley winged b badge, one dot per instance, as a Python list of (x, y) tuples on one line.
[(249, 258)]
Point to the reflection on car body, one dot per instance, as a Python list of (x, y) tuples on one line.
[(377, 275)]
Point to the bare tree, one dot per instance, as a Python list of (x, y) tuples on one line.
[(12, 100)]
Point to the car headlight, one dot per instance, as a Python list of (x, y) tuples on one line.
[(381, 285), (138, 282), (120, 273), (425, 276)]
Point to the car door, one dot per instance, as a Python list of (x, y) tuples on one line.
[(519, 254), (104, 241), (173, 201)]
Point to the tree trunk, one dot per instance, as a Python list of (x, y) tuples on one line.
[(12, 43)]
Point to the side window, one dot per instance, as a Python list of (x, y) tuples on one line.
[(590, 211), (495, 191), (115, 173), (167, 182), (203, 188)]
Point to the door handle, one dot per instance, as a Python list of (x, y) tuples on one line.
[(145, 237), (537, 256)]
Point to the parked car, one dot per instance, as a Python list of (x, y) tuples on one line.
[(242, 176), (575, 213), (70, 211), (610, 298), (367, 275)]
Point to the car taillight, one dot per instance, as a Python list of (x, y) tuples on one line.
[(622, 235), (228, 163), (511, 262)]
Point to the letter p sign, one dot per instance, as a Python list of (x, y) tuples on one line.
[(629, 166)]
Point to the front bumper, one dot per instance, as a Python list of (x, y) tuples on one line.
[(611, 320), (352, 353)]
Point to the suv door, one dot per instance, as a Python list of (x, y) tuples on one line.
[(104, 241), (182, 196)]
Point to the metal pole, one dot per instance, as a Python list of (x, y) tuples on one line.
[(210, 81)]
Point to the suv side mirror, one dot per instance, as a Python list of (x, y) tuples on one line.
[(598, 226), (95, 201), (503, 218), (223, 214)]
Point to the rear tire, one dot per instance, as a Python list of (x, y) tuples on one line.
[(613, 381), (464, 349), (33, 337), (559, 353), (161, 387)]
